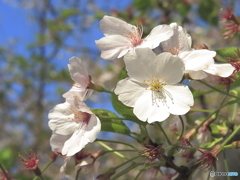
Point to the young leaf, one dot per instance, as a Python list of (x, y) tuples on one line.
[(110, 123)]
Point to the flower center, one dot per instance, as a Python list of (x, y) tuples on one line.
[(174, 51), (135, 36), (81, 117), (155, 84)]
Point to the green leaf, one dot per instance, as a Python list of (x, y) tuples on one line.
[(110, 123), (227, 52)]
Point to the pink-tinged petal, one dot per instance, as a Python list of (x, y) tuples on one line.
[(180, 99), (112, 46), (157, 35), (223, 70), (75, 143), (84, 135), (57, 141), (197, 75), (179, 42), (138, 64), (114, 26), (78, 72), (196, 60), (168, 67), (61, 119), (93, 128), (143, 106), (129, 91), (75, 91)]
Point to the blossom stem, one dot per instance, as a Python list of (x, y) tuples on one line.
[(219, 90), (109, 148), (4, 172), (159, 125), (110, 141), (182, 127), (120, 150), (126, 170), (48, 164), (201, 110), (78, 172), (226, 164), (230, 137)]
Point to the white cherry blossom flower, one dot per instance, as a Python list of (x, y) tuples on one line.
[(73, 125), (221, 71), (195, 61), (153, 88), (121, 37), (81, 77)]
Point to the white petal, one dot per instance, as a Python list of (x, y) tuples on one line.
[(114, 26), (180, 40), (129, 91), (75, 91), (143, 106), (196, 60), (93, 128), (82, 137), (139, 64), (61, 119), (179, 100), (78, 72), (158, 113), (75, 143), (57, 141), (168, 67), (197, 74), (112, 46), (158, 34), (223, 70)]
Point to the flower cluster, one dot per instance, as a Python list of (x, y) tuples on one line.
[(72, 122), (155, 86)]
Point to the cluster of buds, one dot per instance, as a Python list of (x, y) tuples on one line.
[(231, 24), (152, 153)]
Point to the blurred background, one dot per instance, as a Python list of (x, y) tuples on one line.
[(38, 37)]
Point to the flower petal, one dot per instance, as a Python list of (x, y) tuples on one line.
[(114, 26), (61, 119), (223, 70), (78, 72), (180, 40), (139, 64), (128, 91), (181, 99), (168, 67), (196, 60), (57, 141), (157, 35), (113, 46)]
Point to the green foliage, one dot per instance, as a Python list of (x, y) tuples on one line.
[(66, 13), (228, 52), (110, 122), (7, 157), (208, 11)]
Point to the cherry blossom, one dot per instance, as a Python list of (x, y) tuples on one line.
[(121, 37), (195, 61), (73, 125), (221, 71), (153, 88), (81, 77)]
